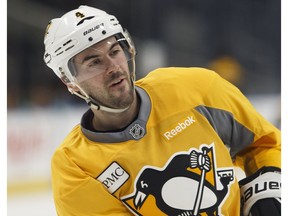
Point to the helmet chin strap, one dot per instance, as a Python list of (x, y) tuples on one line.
[(93, 104), (96, 106)]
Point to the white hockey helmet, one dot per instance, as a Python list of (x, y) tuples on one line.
[(74, 32)]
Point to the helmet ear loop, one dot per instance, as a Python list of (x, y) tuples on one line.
[(75, 89), (70, 85), (132, 50), (133, 65)]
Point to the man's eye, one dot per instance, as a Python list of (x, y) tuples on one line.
[(114, 52), (94, 62)]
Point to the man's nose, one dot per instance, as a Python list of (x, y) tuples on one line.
[(112, 65)]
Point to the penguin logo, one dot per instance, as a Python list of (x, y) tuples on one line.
[(188, 184)]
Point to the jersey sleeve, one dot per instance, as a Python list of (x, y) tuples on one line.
[(78, 194), (253, 141)]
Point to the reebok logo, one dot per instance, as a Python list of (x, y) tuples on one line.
[(179, 127)]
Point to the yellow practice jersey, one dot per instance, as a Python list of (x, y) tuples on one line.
[(176, 158)]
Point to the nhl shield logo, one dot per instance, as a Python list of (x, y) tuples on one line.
[(137, 131)]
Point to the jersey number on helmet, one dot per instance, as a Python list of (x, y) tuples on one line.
[(78, 14)]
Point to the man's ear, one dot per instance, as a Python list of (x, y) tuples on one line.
[(70, 85)]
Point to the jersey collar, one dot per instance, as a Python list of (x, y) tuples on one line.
[(135, 131)]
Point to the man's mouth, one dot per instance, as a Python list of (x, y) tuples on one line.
[(117, 82)]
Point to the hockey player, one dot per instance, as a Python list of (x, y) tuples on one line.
[(166, 144)]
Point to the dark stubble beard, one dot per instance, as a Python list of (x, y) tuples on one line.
[(105, 98)]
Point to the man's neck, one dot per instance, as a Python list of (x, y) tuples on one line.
[(106, 121)]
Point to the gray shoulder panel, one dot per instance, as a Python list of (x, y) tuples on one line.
[(233, 134)]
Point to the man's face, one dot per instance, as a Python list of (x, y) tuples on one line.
[(103, 73)]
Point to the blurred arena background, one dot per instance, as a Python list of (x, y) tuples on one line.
[(241, 40)]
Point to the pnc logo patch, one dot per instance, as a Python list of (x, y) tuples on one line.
[(113, 177)]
